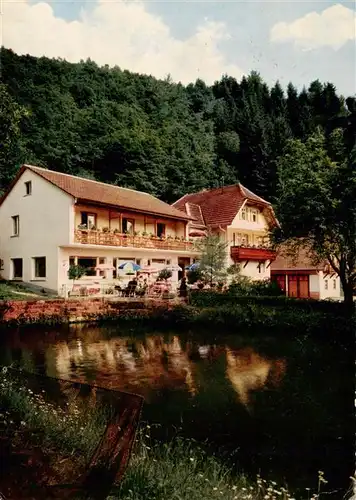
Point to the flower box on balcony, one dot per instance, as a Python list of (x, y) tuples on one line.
[(114, 238), (239, 253)]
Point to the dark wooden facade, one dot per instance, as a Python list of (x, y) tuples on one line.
[(294, 283)]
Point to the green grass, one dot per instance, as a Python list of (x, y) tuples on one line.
[(75, 428), (8, 292), (182, 470)]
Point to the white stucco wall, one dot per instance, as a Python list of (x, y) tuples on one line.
[(332, 284), (249, 225), (314, 283), (252, 271), (254, 230), (46, 220)]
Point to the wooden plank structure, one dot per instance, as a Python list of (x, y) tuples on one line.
[(28, 477)]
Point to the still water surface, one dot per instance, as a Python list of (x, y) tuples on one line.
[(280, 407)]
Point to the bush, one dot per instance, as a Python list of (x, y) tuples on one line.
[(209, 298), (245, 286), (194, 275), (165, 274)]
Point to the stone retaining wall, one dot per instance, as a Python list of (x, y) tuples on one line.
[(75, 310)]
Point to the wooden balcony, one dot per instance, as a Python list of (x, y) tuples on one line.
[(91, 237), (239, 253)]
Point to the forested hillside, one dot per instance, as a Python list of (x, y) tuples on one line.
[(153, 135)]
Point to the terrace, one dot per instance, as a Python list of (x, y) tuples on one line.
[(117, 239)]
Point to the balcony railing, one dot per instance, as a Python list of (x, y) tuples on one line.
[(93, 237), (252, 253)]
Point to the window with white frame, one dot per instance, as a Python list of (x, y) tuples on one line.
[(15, 225), (326, 284), (334, 284), (254, 215), (39, 267), (243, 214)]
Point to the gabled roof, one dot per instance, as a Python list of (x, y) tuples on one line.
[(106, 194), (220, 206), (195, 212), (302, 260)]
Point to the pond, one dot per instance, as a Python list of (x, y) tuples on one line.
[(275, 406)]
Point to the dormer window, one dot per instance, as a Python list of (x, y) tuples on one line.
[(254, 216), (28, 188), (243, 214)]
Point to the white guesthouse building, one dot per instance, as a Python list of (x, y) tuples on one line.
[(50, 220)]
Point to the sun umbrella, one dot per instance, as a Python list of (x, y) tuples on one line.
[(149, 270), (173, 268), (197, 232), (105, 267), (193, 267), (129, 267)]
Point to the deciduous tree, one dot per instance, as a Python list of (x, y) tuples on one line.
[(317, 205)]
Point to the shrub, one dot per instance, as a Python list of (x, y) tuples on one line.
[(194, 275), (245, 286), (165, 274)]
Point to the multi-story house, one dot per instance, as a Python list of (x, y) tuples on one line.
[(241, 218), (50, 220)]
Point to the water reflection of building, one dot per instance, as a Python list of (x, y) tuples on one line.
[(127, 364), (248, 371)]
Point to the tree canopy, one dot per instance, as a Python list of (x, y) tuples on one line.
[(154, 135), (317, 201), (212, 258)]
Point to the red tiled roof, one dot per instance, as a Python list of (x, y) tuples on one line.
[(107, 194), (195, 212), (302, 260), (219, 206)]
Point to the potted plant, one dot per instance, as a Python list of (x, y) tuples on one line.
[(75, 272), (165, 274)]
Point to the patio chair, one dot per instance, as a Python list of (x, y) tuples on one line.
[(130, 290)]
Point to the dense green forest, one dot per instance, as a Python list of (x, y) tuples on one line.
[(154, 135)]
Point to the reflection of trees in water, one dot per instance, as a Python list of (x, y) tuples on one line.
[(249, 371)]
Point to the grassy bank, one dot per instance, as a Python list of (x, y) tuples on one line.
[(14, 291), (181, 469), (276, 315), (72, 426), (286, 321)]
